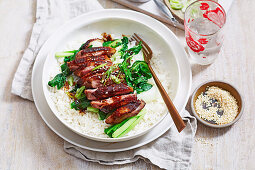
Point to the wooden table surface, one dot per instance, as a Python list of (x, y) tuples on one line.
[(27, 143)]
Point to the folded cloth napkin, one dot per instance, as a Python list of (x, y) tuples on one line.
[(49, 16), (171, 151)]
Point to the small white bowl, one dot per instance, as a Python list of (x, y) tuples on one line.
[(225, 86)]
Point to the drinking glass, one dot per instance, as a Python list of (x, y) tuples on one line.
[(204, 21)]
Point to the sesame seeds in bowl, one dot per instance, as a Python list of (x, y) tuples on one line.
[(217, 104)]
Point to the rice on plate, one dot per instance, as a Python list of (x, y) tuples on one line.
[(88, 123)]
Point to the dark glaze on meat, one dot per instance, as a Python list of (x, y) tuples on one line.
[(112, 103), (83, 61), (105, 94), (93, 81), (81, 58), (125, 112), (95, 51), (80, 72), (83, 70), (108, 91), (89, 61), (75, 67)]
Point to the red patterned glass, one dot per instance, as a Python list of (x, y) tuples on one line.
[(204, 22)]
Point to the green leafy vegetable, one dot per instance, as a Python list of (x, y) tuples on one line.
[(143, 87), (92, 109), (112, 44), (65, 70), (141, 68), (81, 101), (101, 115), (131, 74), (124, 67), (58, 80), (79, 93), (135, 49), (137, 75), (80, 104), (124, 42)]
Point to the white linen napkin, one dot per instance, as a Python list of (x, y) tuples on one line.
[(49, 16), (171, 151)]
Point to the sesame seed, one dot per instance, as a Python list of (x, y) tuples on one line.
[(216, 105)]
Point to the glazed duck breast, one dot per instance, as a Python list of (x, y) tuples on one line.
[(83, 56), (125, 112), (112, 103), (108, 91)]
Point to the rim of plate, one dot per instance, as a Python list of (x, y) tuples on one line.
[(151, 19), (92, 20)]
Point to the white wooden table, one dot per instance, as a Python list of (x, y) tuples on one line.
[(27, 143)]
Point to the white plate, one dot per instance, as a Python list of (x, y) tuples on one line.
[(180, 100), (93, 27)]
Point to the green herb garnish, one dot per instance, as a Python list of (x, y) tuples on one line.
[(98, 67), (79, 93)]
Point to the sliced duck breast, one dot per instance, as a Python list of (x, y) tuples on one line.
[(125, 112), (112, 103), (108, 91)]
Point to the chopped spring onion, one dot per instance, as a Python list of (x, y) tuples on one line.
[(115, 79), (92, 109), (108, 73), (79, 93), (100, 66), (70, 80)]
